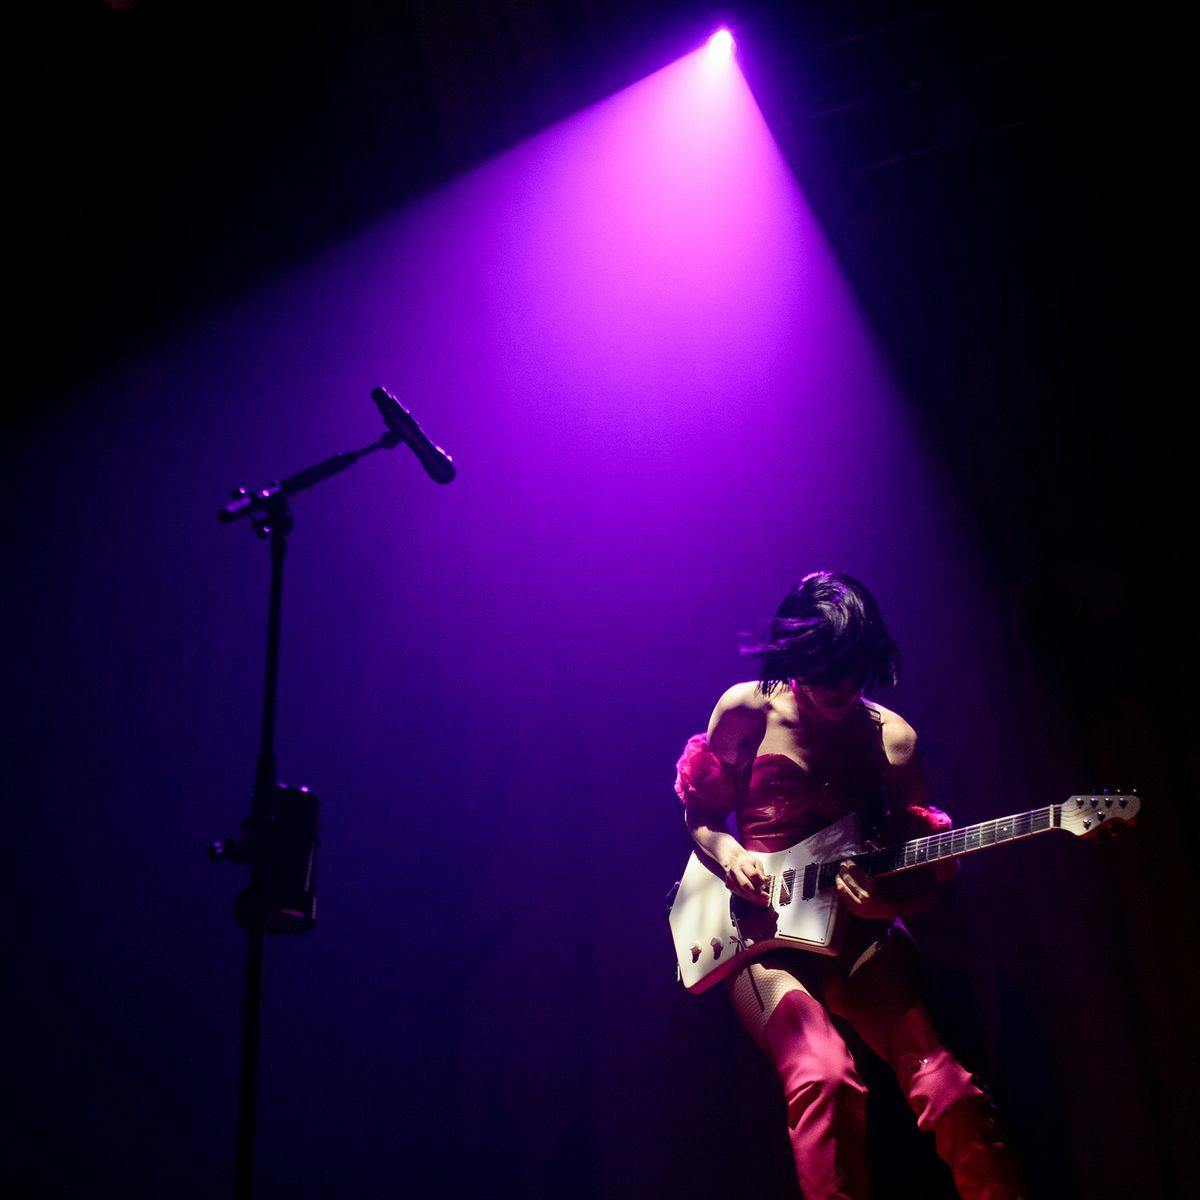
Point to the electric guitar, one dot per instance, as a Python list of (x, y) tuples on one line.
[(716, 932)]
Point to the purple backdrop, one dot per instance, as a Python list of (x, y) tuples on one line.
[(665, 407)]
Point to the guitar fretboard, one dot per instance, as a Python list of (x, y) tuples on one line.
[(948, 844)]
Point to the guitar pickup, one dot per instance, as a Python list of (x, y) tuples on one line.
[(812, 880), (787, 883)]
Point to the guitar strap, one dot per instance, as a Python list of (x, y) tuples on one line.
[(875, 810), (875, 813)]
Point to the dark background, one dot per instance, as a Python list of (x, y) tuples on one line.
[(1002, 187)]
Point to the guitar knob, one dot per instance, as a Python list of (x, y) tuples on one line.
[(1094, 801), (717, 946), (1079, 802), (1108, 802), (1123, 802), (1087, 824), (695, 954)]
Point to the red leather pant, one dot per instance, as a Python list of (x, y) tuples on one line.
[(826, 1099)]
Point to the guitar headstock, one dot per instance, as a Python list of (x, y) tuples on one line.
[(1086, 816)]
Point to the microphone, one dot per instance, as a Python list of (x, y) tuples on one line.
[(439, 466)]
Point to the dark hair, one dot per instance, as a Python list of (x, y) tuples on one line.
[(827, 629)]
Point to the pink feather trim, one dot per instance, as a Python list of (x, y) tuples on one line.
[(702, 781)]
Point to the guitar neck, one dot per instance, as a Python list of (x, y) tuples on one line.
[(951, 843)]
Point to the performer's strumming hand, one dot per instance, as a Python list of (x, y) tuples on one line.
[(745, 876)]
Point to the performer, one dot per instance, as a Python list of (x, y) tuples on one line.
[(789, 754)]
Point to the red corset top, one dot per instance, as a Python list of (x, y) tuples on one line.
[(784, 804)]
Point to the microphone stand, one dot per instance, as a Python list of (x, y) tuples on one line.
[(279, 838)]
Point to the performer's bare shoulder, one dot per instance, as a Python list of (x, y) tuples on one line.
[(738, 722), (899, 737)]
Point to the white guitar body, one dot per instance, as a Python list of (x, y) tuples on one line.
[(716, 934)]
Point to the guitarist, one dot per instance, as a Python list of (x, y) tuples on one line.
[(788, 755)]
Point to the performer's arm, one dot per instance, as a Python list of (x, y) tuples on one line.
[(711, 771)]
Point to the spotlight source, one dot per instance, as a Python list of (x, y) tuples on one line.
[(720, 45)]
